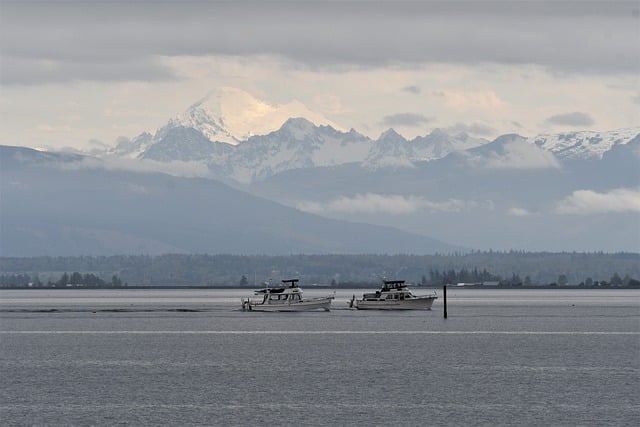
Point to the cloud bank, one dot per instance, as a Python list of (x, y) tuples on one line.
[(176, 168), (372, 203), (58, 41)]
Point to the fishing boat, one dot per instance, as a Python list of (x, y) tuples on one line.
[(287, 297), (394, 295)]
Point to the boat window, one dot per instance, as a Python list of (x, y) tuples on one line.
[(284, 297), (396, 296), (389, 296), (401, 296)]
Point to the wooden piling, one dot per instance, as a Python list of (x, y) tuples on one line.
[(444, 293)]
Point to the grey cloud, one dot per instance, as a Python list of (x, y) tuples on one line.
[(563, 36), (405, 119), (36, 71), (473, 128), (571, 119), (412, 89)]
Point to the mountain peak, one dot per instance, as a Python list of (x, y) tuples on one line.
[(391, 135), (297, 127)]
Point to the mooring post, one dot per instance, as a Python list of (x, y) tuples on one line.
[(444, 293)]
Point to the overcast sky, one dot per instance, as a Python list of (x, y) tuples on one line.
[(71, 72)]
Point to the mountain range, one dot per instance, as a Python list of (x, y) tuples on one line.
[(235, 151), (236, 175)]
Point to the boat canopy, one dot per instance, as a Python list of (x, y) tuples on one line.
[(293, 283), (393, 284)]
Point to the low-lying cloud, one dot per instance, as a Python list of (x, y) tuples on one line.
[(371, 203), (588, 202), (174, 168), (518, 212)]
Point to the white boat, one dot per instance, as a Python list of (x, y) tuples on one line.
[(393, 295), (285, 298)]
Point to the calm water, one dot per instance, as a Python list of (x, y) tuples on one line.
[(190, 357)]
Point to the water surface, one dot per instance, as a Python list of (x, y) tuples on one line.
[(148, 357)]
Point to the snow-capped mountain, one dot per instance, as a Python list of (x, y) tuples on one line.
[(232, 115), (584, 144)]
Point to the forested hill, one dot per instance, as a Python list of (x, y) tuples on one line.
[(518, 268)]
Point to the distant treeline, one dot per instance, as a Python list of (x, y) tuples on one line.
[(509, 268), (73, 280)]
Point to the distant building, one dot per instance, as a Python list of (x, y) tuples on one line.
[(477, 284)]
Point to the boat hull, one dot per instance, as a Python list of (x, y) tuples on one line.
[(419, 303), (305, 305)]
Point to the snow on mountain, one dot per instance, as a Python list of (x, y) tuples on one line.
[(389, 150), (244, 139), (185, 144), (232, 115), (393, 150), (584, 144), (297, 144)]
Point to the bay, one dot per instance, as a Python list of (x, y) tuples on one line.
[(191, 357)]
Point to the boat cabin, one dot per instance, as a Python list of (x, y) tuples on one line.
[(282, 298), (391, 290), (287, 294)]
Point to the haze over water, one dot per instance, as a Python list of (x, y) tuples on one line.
[(148, 357)]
